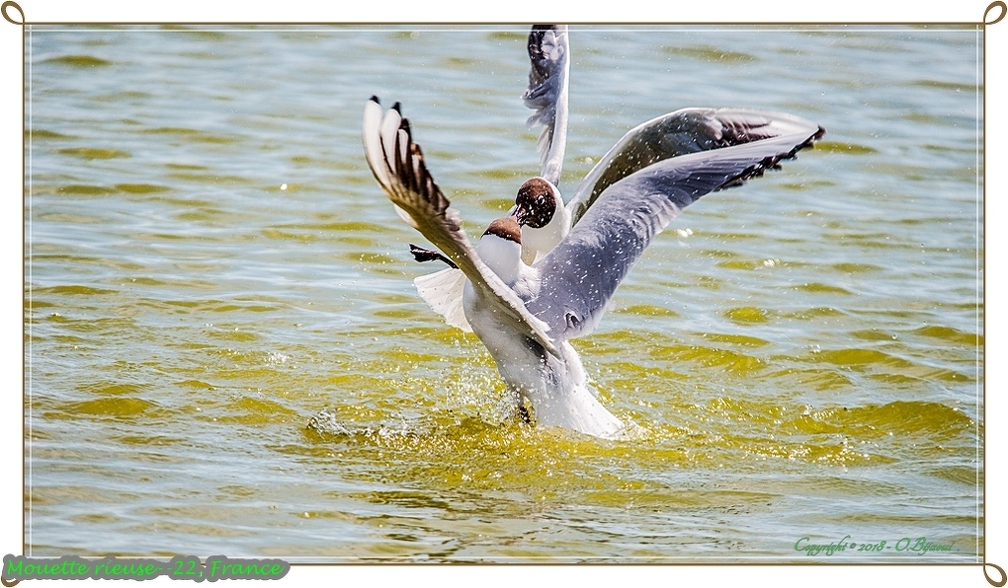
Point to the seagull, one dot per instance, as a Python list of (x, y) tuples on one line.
[(539, 207), (525, 314)]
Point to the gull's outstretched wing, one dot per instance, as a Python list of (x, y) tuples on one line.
[(690, 130), (547, 94), (398, 165), (580, 275)]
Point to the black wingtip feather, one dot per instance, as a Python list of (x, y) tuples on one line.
[(403, 163), (410, 170), (772, 162), (375, 99)]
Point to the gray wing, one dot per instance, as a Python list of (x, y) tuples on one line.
[(398, 165), (547, 94), (580, 275), (690, 130)]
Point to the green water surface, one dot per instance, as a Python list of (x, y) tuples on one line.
[(211, 268)]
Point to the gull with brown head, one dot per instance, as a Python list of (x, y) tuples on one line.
[(539, 207), (526, 314)]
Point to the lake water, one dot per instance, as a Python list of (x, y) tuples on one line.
[(210, 264)]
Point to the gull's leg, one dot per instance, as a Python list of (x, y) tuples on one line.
[(420, 254)]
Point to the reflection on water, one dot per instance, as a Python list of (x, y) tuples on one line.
[(226, 353)]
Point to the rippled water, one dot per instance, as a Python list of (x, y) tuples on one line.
[(211, 267)]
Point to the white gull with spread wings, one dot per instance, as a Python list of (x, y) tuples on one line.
[(527, 314)]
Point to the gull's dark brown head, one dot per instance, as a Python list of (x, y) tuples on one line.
[(536, 203), (506, 228)]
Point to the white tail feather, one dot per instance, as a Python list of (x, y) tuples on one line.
[(442, 290)]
